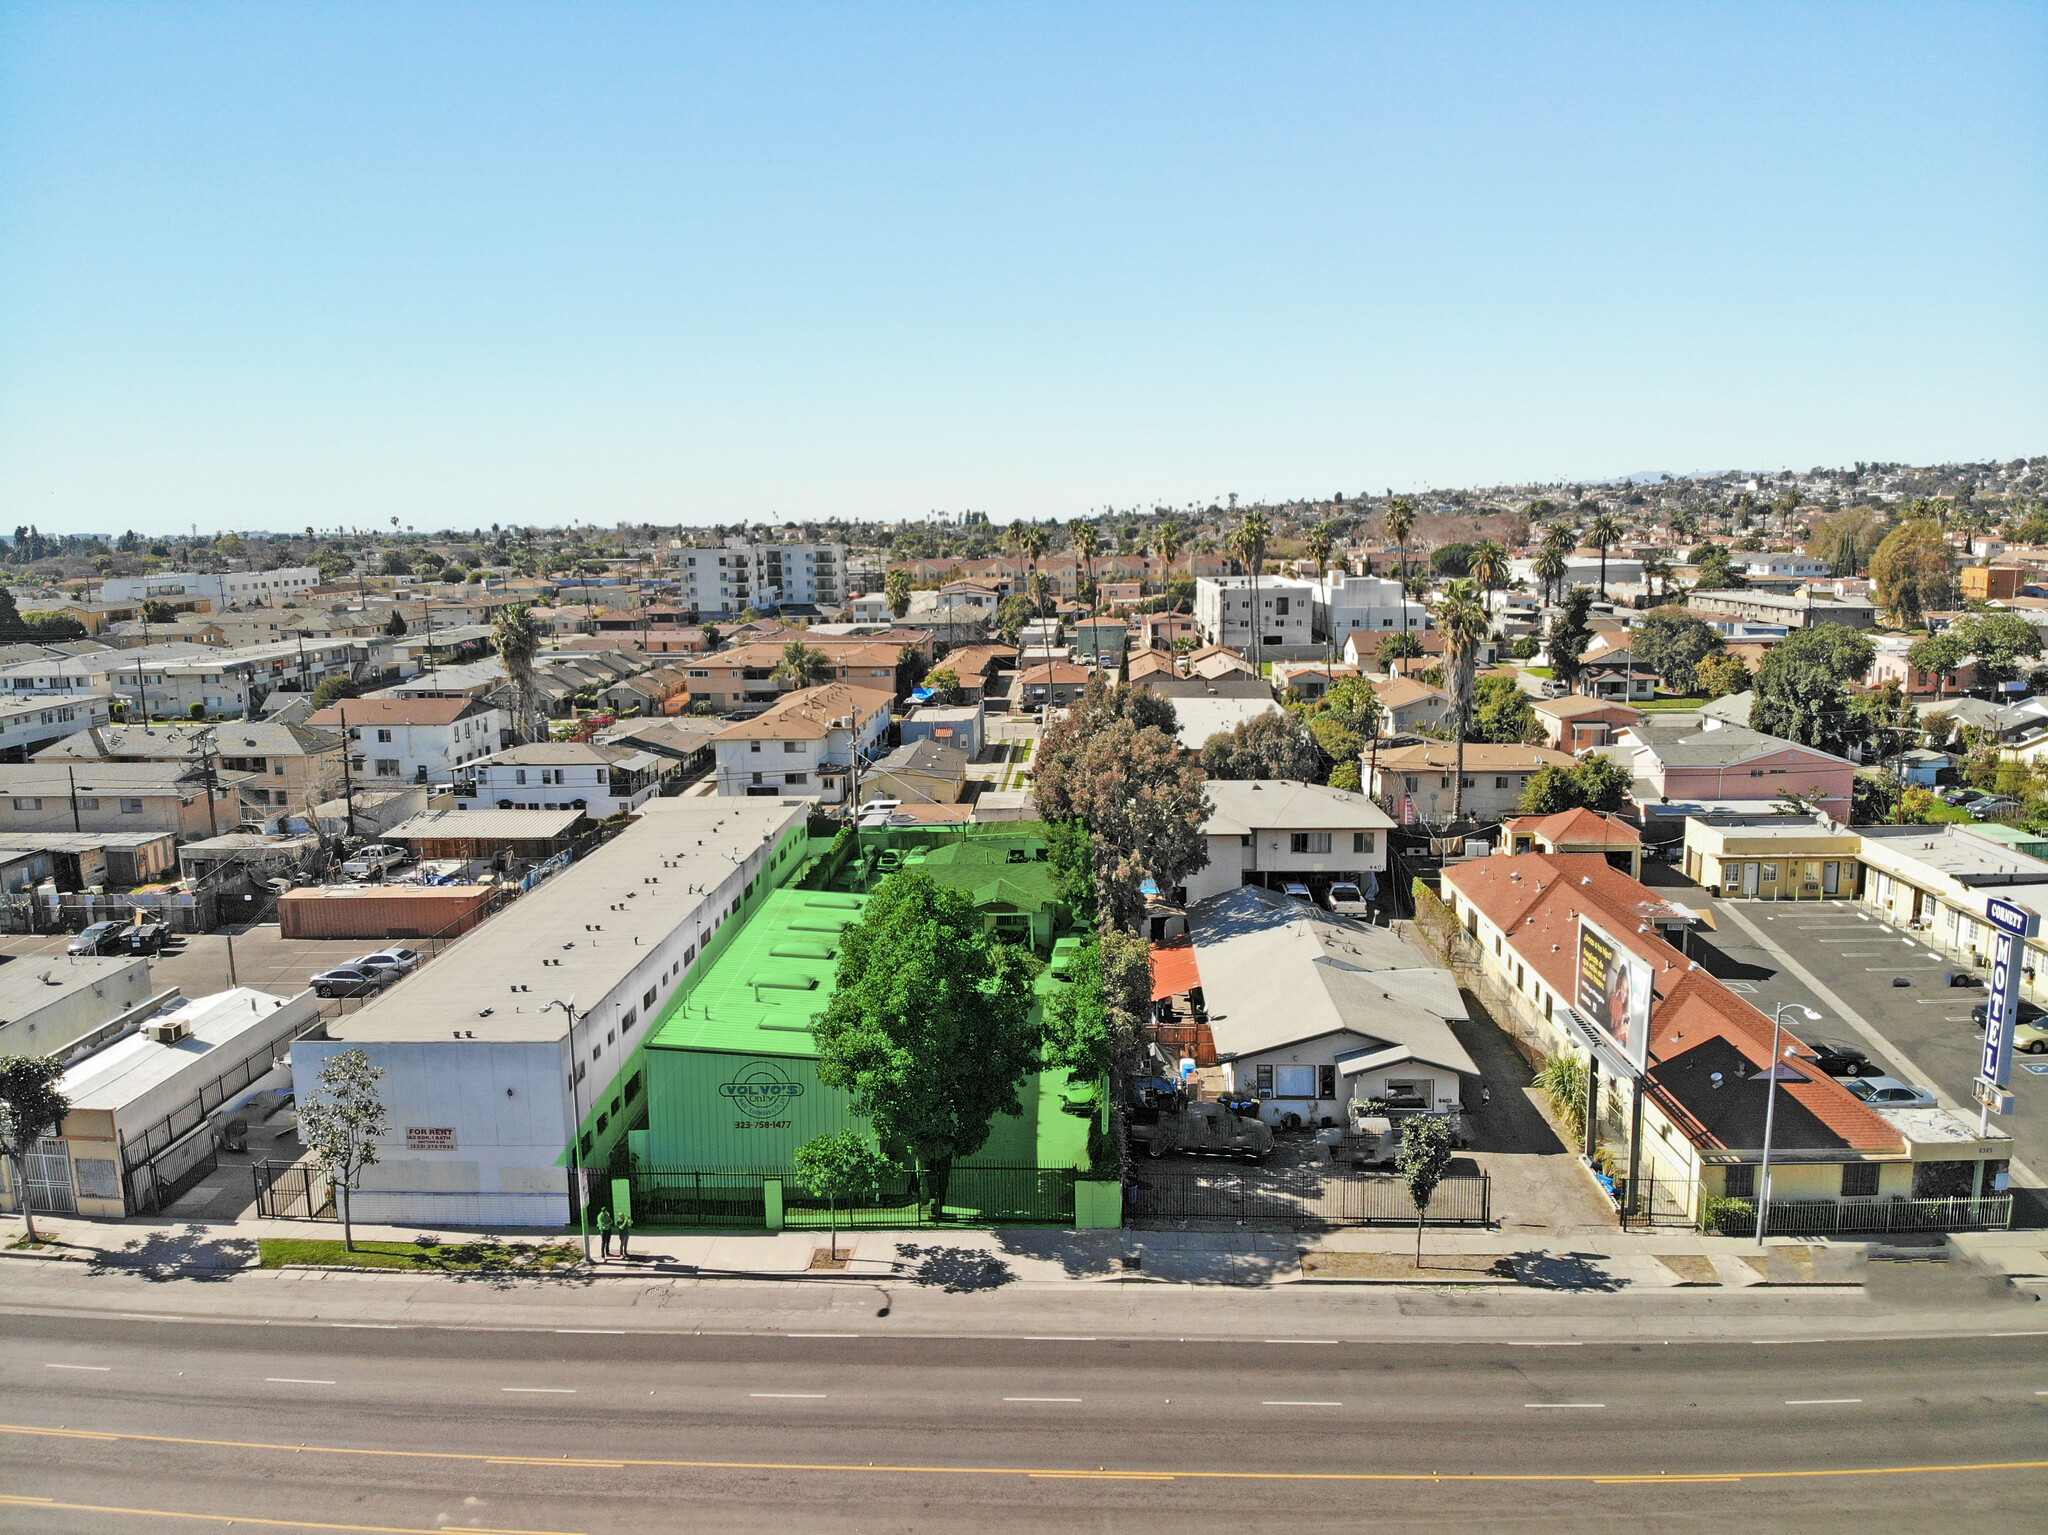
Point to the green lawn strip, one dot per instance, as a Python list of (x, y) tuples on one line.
[(1539, 671), (446, 1257), (1667, 701)]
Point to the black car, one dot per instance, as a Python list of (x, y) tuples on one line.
[(352, 981), (2029, 1013), (1843, 1061), (100, 938)]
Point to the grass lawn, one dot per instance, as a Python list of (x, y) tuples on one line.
[(447, 1257), (1942, 813), (1669, 701), (1539, 671)]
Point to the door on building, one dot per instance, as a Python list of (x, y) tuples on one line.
[(1749, 879), (1918, 897), (49, 1178), (1830, 879)]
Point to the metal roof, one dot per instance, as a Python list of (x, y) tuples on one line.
[(1238, 807), (776, 976), (511, 825)]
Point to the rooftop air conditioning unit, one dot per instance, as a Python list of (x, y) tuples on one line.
[(168, 1031)]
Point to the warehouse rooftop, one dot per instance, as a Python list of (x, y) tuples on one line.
[(598, 917)]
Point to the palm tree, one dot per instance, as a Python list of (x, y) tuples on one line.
[(1248, 544), (517, 638), (1166, 544), (1550, 569), (1464, 624), (1033, 541), (1085, 539), (1489, 566), (1319, 545), (803, 666), (1401, 523), (1656, 572), (1603, 532)]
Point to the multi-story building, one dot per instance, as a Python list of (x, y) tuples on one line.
[(721, 581), (288, 768), (1416, 782), (1286, 611), (600, 781), (1344, 603), (222, 591), (28, 725), (808, 743), (1273, 832), (414, 740), (745, 674), (159, 797)]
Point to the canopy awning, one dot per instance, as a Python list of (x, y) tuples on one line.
[(1173, 969)]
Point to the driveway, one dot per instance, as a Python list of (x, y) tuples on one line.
[(197, 963), (1919, 1032)]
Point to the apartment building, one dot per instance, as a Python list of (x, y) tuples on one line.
[(222, 591), (28, 725), (161, 797), (808, 743), (601, 781), (289, 768), (1285, 613), (738, 574), (1416, 781), (745, 674), (1344, 603), (414, 740), (1273, 832)]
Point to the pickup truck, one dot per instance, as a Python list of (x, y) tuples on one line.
[(374, 861), (1204, 1129), (1347, 900)]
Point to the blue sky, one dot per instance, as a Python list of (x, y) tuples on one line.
[(269, 266)]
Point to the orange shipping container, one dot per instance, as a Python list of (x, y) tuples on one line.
[(384, 911)]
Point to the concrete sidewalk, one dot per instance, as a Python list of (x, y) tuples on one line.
[(971, 1259)]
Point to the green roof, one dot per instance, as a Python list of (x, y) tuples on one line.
[(984, 873), (761, 995)]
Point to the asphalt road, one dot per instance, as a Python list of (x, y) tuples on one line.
[(119, 1424)]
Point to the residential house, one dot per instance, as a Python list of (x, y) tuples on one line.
[(161, 797), (744, 675), (683, 739), (290, 769), (805, 743), (1162, 631), (923, 771), (1575, 722), (1286, 611), (1273, 832), (1415, 782), (1213, 661), (1685, 769), (1709, 1080), (1054, 684), (975, 665), (958, 725), (1101, 641), (420, 740), (1408, 704), (1310, 1011), (1991, 583), (1615, 675), (1309, 679), (600, 781), (1576, 831), (1891, 665)]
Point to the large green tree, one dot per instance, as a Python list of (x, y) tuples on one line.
[(1501, 713), (1802, 687), (929, 1031), (1913, 573), (1597, 783), (1672, 643), (1569, 635), (2000, 641), (31, 1107), (1272, 745)]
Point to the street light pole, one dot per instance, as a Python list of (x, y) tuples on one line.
[(576, 1124), (1763, 1204)]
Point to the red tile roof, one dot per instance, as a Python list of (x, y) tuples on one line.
[(1536, 899), (1577, 827)]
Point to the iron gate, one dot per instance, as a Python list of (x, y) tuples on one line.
[(48, 1165), (292, 1191), (1299, 1198)]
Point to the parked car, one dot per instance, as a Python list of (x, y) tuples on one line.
[(2031, 1037), (1294, 889), (1552, 688), (100, 938), (1348, 899), (1890, 1092), (2029, 1013), (1991, 805), (352, 981), (399, 961), (145, 937), (374, 861), (1842, 1061), (879, 807), (1205, 1129)]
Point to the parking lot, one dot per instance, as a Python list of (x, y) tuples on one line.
[(1920, 1032), (197, 963)]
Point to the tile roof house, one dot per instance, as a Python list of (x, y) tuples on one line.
[(1410, 703), (1704, 1098), (1716, 767), (805, 744), (1576, 831), (1416, 780), (1575, 722)]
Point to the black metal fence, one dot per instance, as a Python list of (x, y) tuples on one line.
[(292, 1191), (986, 1196), (1298, 1198)]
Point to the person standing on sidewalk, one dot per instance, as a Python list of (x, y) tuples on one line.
[(604, 1232), (623, 1224)]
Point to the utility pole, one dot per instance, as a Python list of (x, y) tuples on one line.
[(72, 777), (348, 780), (576, 1124)]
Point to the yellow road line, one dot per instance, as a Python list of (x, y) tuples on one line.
[(840, 1468), (7, 1501)]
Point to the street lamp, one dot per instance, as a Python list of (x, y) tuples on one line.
[(1763, 1203), (576, 1122)]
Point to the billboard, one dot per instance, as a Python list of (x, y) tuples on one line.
[(1614, 991), (2015, 925)]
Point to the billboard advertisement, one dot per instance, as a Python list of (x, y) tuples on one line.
[(1614, 991)]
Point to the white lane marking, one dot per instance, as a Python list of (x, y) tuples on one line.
[(150, 1316), (1041, 1399), (1911, 964), (1038, 1337), (1823, 1401), (613, 1332), (1573, 1344), (78, 1367), (1564, 1404), (822, 1335), (295, 1380), (541, 1390), (794, 1396), (1301, 1404), (1774, 1342), (368, 1326), (1301, 1340), (2042, 1334)]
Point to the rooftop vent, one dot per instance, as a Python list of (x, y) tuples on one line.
[(168, 1031)]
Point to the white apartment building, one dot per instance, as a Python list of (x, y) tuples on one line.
[(1782, 566), (230, 590), (600, 781), (27, 725), (1273, 832), (804, 744), (394, 741), (1344, 603), (1581, 570), (1286, 612), (719, 582)]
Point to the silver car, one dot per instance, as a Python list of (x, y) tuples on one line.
[(1889, 1092)]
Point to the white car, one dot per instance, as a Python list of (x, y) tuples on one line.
[(374, 861), (1296, 890), (1348, 900), (401, 961), (879, 807), (1889, 1092)]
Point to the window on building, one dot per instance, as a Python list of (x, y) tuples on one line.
[(796, 778), (1309, 842), (1859, 1180), (131, 807), (387, 767), (1501, 782), (1263, 1079), (383, 735), (1741, 1183), (1294, 1082), (28, 804), (753, 746), (648, 1000), (632, 1017), (1361, 842), (1326, 1081)]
